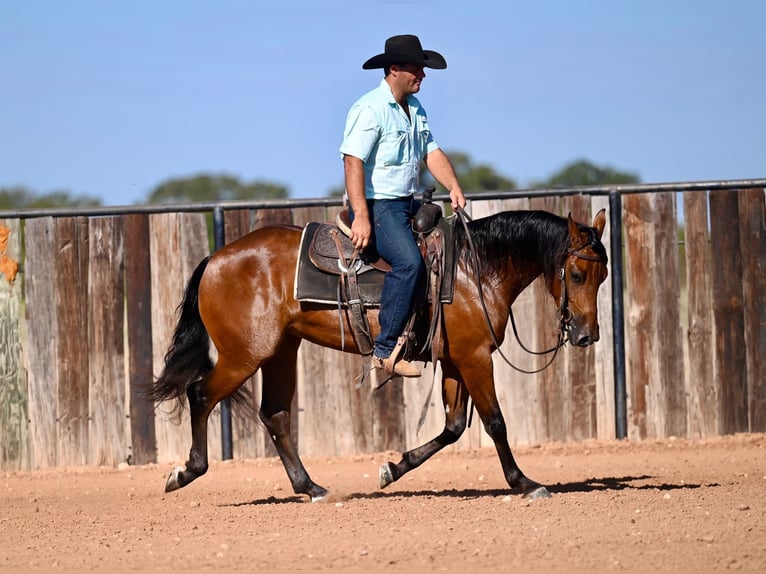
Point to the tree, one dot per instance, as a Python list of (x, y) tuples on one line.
[(583, 173), (22, 198), (211, 188), (472, 177)]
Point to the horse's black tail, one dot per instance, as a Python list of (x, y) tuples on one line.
[(188, 359)]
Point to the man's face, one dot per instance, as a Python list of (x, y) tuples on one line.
[(408, 77)]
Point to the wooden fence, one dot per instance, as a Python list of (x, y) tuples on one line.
[(85, 323)]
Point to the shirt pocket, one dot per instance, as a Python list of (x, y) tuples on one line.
[(394, 148), (424, 137)]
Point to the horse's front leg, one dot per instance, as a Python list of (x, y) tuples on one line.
[(278, 425), (279, 382), (481, 384), (455, 400)]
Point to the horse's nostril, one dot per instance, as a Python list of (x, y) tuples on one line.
[(585, 341)]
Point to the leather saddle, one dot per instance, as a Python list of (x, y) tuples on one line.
[(331, 271)]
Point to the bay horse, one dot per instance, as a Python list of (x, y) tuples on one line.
[(241, 298)]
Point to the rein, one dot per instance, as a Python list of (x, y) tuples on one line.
[(564, 314)]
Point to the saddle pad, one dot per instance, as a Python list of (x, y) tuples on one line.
[(316, 286)]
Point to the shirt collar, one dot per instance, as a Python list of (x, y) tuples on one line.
[(385, 90)]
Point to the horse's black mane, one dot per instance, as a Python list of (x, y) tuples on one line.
[(520, 236)]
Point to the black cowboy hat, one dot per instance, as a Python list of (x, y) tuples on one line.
[(406, 49)]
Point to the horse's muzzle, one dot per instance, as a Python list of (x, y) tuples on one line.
[(582, 336), (585, 340)]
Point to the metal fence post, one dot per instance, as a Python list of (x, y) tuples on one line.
[(618, 316)]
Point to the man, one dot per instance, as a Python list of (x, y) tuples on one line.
[(385, 137)]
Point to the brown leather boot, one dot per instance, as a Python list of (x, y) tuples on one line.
[(401, 368)]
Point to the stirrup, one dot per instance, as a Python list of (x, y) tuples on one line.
[(395, 367)]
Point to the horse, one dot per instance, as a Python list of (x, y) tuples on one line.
[(241, 299)]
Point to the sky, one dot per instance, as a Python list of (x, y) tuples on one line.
[(111, 98)]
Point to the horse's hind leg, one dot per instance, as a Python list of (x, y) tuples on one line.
[(455, 399), (203, 396), (279, 382)]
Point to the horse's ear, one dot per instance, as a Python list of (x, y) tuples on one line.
[(575, 239), (599, 222)]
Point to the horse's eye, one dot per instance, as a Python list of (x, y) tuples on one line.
[(576, 277)]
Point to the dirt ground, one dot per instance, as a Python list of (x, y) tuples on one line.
[(655, 505)]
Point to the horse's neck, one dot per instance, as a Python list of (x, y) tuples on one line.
[(525, 277), (531, 265)]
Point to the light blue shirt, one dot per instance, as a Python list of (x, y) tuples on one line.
[(391, 146)]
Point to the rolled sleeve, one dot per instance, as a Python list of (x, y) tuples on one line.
[(361, 133)]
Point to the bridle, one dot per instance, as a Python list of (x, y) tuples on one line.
[(564, 314)]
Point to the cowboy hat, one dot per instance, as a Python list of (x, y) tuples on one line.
[(406, 49)]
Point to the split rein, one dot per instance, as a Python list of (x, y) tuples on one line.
[(564, 314)]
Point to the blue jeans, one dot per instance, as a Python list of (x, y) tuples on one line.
[(393, 240)]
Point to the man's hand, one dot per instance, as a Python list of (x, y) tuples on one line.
[(361, 230), (457, 197)]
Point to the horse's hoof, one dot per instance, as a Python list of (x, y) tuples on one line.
[(385, 475), (173, 483), (537, 493), (320, 497)]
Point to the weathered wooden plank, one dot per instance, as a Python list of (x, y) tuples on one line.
[(520, 394), (321, 425), (388, 422), (109, 422), (272, 216), (339, 418), (41, 315), (655, 351), (14, 421), (72, 339), (325, 427), (603, 349), (336, 417), (303, 215), (669, 335), (553, 379), (424, 393), (236, 223), (703, 411), (752, 213), (728, 311), (640, 319), (177, 243), (167, 290), (580, 400), (138, 297)]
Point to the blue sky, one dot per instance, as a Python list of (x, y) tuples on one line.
[(110, 99)]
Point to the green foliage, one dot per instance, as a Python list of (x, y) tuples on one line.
[(472, 177), (211, 188), (584, 173), (23, 198)]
